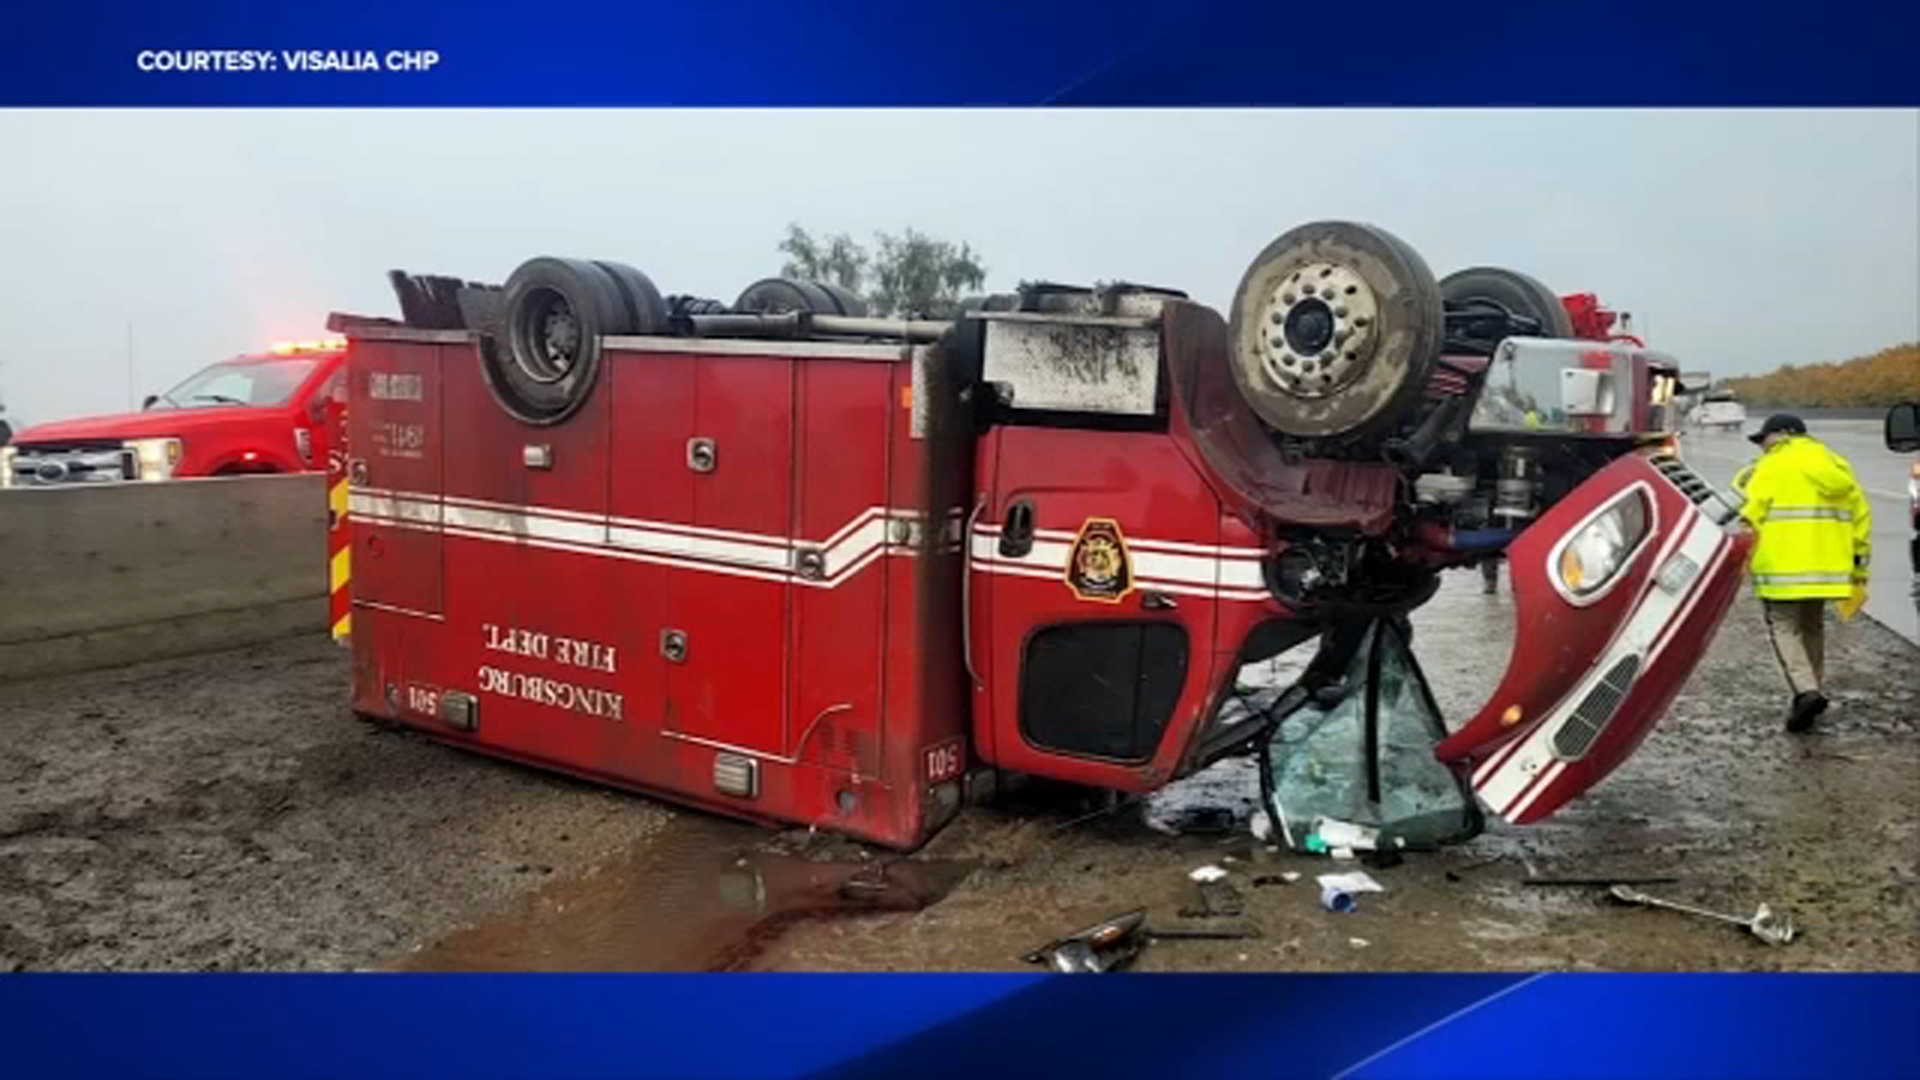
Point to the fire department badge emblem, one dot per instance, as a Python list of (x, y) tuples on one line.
[(1099, 567)]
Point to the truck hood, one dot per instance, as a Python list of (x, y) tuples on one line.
[(136, 425)]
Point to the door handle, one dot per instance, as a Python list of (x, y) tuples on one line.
[(1016, 535)]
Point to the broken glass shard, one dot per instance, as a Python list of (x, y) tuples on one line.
[(1363, 753)]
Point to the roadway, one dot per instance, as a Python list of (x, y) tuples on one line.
[(1882, 473)]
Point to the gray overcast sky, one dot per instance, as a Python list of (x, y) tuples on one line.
[(1741, 240)]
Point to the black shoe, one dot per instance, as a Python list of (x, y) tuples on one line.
[(1806, 706)]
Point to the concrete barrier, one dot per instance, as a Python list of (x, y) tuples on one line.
[(94, 577)]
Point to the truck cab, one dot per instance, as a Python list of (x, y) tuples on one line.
[(261, 413)]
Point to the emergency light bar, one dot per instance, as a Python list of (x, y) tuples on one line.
[(289, 348)]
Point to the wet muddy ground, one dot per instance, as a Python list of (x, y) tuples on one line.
[(227, 812)]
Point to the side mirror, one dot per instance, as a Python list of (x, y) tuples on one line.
[(148, 404), (1903, 427), (1586, 392)]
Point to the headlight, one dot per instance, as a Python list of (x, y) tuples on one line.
[(6, 466), (1594, 554), (154, 459)]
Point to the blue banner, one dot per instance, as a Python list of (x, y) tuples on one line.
[(990, 52), (972, 1026)]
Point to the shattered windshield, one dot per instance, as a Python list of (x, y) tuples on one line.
[(1366, 757), (256, 382)]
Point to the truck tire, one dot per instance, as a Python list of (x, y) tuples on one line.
[(779, 296), (849, 301), (646, 310), (1512, 290), (544, 363), (1334, 331)]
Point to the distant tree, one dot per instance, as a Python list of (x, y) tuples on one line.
[(915, 274), (911, 274), (1888, 376), (838, 259)]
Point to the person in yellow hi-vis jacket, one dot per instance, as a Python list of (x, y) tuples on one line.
[(1816, 530)]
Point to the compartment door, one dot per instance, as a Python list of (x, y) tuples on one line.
[(728, 601), (1096, 573), (393, 441), (844, 532)]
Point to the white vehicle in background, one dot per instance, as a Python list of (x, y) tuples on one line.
[(1719, 410)]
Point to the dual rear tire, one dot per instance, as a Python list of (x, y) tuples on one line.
[(541, 353), (543, 358)]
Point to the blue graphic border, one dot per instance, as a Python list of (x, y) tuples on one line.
[(989, 52)]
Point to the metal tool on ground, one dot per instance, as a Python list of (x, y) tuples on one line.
[(1599, 882), (1774, 929), (1459, 875), (1241, 932)]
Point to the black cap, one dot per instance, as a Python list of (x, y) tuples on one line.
[(1778, 423)]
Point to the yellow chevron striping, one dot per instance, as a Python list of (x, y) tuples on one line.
[(339, 569)]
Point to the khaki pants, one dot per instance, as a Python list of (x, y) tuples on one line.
[(1798, 629)]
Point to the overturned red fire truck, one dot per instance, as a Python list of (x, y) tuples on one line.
[(789, 562)]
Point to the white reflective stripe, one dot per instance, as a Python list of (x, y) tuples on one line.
[(1172, 566), (1802, 579), (1227, 577), (699, 547), (1807, 513), (394, 507)]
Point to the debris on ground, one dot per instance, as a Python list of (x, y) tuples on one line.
[(1110, 945), (1358, 942), (1242, 932), (1482, 864), (1774, 929), (1337, 901), (1600, 882), (1284, 877), (1207, 873), (1382, 859), (1357, 881), (1217, 899), (1261, 825), (1336, 834)]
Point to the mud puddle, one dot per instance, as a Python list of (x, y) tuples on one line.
[(707, 896)]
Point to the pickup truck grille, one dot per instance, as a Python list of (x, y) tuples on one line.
[(47, 465), (1718, 508)]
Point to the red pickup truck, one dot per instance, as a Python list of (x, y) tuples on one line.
[(252, 414)]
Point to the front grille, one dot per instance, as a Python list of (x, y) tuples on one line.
[(1590, 717), (75, 463), (1702, 494)]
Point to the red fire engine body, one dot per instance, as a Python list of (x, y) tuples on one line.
[(790, 563)]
